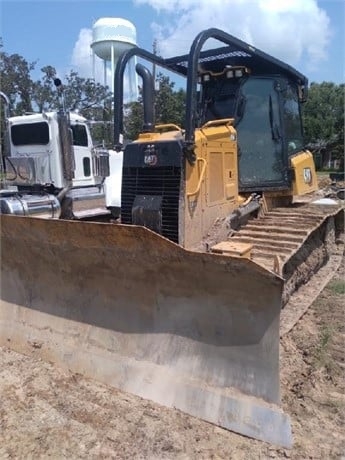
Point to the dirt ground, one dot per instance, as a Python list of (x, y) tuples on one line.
[(46, 412)]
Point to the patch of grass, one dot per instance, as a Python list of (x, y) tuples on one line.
[(325, 337), (322, 357), (337, 287)]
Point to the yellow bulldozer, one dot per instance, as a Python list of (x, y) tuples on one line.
[(179, 300)]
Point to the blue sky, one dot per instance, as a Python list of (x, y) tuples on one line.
[(307, 34)]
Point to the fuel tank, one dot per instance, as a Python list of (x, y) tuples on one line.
[(43, 205)]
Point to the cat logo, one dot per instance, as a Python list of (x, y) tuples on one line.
[(150, 160)]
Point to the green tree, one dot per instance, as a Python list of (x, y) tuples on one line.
[(169, 104), (102, 124), (16, 81), (44, 95), (169, 107), (17, 85), (323, 115), (80, 94), (26, 95), (84, 95), (133, 119)]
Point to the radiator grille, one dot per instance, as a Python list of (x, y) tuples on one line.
[(162, 181)]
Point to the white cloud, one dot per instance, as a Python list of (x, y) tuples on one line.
[(82, 59), (166, 5), (291, 30), (295, 31)]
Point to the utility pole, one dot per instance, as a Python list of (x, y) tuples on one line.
[(154, 50)]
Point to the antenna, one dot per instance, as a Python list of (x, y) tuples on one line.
[(59, 86)]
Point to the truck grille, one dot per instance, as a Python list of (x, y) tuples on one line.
[(161, 181), (101, 163)]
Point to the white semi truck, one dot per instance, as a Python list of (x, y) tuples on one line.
[(52, 169)]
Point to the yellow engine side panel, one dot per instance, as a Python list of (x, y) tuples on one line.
[(305, 180), (211, 189)]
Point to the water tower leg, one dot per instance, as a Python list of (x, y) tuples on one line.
[(133, 79), (105, 72), (93, 66), (136, 79), (112, 67)]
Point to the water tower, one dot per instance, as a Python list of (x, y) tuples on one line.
[(110, 38)]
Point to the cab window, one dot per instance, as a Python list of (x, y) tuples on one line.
[(292, 119), (79, 135), (30, 134)]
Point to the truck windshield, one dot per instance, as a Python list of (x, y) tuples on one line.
[(30, 134)]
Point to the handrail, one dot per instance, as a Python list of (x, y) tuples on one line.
[(222, 121), (200, 178), (170, 126)]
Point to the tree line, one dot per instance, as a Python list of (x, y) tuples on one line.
[(323, 119), (92, 100), (323, 113)]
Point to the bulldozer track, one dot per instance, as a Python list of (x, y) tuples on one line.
[(303, 245), (282, 232), (302, 299)]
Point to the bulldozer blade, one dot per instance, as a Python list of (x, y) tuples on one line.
[(120, 304)]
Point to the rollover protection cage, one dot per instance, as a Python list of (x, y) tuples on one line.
[(268, 93)]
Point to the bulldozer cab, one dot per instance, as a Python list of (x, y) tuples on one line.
[(267, 121), (262, 94)]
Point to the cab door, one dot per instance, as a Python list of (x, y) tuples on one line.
[(82, 154), (262, 163)]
